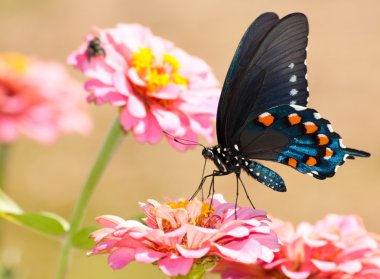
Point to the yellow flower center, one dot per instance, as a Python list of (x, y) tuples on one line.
[(14, 62), (205, 212), (157, 73)]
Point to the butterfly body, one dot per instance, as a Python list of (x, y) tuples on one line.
[(226, 159), (263, 113)]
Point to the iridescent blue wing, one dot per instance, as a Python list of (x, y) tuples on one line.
[(296, 136), (264, 73)]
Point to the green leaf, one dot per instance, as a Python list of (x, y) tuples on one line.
[(82, 238), (43, 222), (197, 272), (8, 205), (139, 217)]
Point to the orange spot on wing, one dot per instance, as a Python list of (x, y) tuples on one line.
[(310, 127), (292, 162), (266, 119), (328, 153), (323, 139), (311, 161), (294, 119)]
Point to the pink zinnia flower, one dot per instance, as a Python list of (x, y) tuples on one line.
[(156, 85), (38, 99), (176, 235), (335, 247)]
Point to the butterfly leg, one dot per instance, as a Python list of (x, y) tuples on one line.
[(237, 194), (245, 190), (203, 173), (215, 173), (211, 189)]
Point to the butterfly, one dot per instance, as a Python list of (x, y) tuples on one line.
[(263, 114)]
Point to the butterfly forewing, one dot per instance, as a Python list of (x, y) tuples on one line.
[(241, 60), (274, 75)]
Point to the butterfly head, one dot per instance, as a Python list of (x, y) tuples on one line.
[(208, 153)]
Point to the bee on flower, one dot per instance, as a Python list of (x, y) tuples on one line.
[(155, 85)]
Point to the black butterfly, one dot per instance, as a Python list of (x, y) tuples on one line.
[(262, 111), (95, 49)]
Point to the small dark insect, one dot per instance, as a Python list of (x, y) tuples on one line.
[(262, 111), (95, 49)]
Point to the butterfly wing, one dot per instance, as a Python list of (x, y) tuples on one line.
[(265, 72), (296, 136), (239, 64)]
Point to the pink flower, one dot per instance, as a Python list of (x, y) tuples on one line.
[(155, 85), (335, 247), (38, 99), (179, 234)]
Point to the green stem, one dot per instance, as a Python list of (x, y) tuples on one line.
[(3, 158), (114, 136), (196, 272)]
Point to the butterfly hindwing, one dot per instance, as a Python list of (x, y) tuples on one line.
[(298, 137), (273, 74)]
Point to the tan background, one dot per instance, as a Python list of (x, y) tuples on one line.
[(343, 63)]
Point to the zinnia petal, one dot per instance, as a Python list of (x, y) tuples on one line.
[(175, 266), (121, 257)]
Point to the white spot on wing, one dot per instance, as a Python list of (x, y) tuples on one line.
[(264, 114), (293, 92), (341, 143), (317, 115), (328, 157), (218, 149), (293, 78), (330, 128), (292, 103), (291, 65), (298, 108), (345, 157), (237, 147)]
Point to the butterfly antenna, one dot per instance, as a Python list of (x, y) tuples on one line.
[(182, 141)]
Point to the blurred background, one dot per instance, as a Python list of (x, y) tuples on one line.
[(343, 73)]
